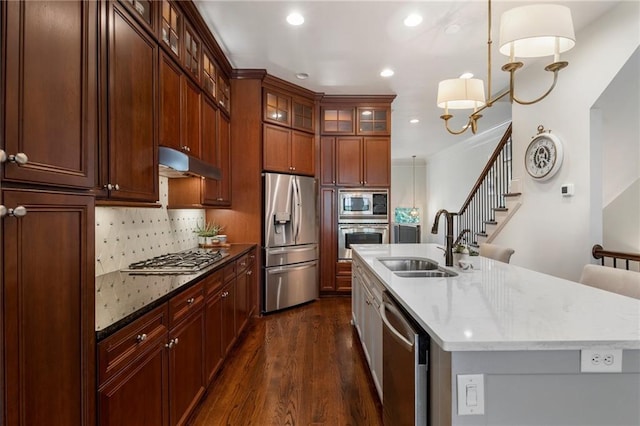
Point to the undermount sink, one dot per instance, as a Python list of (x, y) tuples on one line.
[(415, 267), (409, 263), (425, 274)]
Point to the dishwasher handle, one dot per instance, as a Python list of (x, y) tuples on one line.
[(384, 307)]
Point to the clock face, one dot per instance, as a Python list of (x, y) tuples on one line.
[(543, 157)]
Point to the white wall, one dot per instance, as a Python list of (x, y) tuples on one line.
[(620, 140), (451, 174), (551, 233), (402, 188)]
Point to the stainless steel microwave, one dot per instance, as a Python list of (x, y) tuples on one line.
[(363, 205)]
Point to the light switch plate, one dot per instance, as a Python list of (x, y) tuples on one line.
[(470, 394)]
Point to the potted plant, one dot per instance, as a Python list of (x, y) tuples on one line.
[(207, 233), (460, 252)]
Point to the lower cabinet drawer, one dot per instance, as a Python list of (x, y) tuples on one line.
[(185, 304), (120, 349)]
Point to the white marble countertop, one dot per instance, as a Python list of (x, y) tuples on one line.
[(497, 306)]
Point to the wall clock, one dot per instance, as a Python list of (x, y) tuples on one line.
[(544, 155)]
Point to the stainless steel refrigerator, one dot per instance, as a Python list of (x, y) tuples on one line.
[(290, 241)]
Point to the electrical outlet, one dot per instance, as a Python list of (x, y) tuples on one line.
[(601, 360)]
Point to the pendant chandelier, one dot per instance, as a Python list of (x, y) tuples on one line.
[(525, 32)]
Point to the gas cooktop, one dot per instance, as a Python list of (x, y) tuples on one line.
[(184, 262)]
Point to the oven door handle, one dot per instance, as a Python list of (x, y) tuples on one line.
[(384, 307)]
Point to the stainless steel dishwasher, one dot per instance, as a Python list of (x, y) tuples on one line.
[(405, 350)]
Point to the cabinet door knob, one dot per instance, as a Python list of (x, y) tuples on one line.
[(116, 187), (112, 187), (190, 300), (169, 345), (175, 341), (141, 337), (17, 212), (249, 272), (19, 158)]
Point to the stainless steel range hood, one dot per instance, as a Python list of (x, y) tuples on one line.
[(177, 164)]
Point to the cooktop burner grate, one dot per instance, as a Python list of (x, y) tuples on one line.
[(185, 262)]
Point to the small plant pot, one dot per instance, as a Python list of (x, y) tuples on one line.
[(457, 257)]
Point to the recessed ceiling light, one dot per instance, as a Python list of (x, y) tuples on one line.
[(466, 75), (413, 20), (414, 121), (295, 19), (387, 72), (452, 29), (302, 75)]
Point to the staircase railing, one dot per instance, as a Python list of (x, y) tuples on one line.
[(600, 253), (487, 195)]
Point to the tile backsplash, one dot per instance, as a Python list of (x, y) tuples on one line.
[(127, 235)]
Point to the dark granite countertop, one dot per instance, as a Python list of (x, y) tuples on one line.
[(122, 297)]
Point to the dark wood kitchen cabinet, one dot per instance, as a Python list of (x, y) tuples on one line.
[(129, 158), (191, 117), (170, 103), (363, 161), (171, 28), (216, 149), (132, 372), (48, 308), (328, 238), (186, 353), (327, 161), (288, 151), (213, 351), (57, 61), (49, 103), (228, 297)]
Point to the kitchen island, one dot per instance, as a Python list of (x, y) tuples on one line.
[(523, 331)]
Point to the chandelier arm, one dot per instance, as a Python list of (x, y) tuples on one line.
[(521, 102), (454, 132)]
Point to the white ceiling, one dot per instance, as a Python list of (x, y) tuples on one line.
[(343, 46)]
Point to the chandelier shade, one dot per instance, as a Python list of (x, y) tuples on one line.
[(536, 30), (461, 93)]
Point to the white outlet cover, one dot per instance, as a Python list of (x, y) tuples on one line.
[(470, 394), (601, 360)]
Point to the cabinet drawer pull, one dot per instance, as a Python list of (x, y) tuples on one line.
[(190, 300), (141, 337)]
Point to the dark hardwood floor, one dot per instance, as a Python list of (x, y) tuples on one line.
[(303, 366)]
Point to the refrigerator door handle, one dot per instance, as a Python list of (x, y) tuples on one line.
[(292, 249), (286, 269), (296, 209)]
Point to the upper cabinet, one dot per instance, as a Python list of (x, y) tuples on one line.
[(209, 74), (224, 93), (355, 147), (50, 94), (288, 130), (129, 158), (338, 121), (303, 117), (356, 120), (374, 121), (144, 12), (171, 28), (192, 52)]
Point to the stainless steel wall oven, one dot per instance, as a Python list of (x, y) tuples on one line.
[(360, 233)]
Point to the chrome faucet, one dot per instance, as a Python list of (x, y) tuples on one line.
[(448, 253)]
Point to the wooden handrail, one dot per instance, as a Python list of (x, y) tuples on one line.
[(485, 171), (600, 253)]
